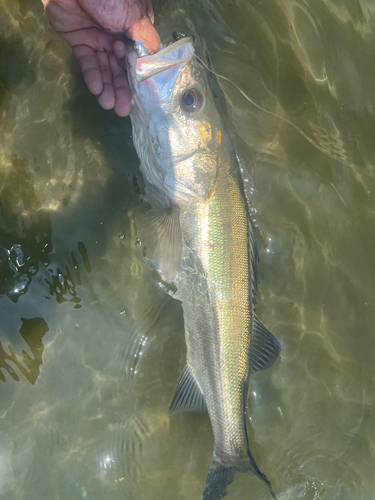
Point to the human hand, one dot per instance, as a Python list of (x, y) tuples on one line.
[(95, 29)]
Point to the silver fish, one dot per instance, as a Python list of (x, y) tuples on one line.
[(199, 236)]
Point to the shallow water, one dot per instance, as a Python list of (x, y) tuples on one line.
[(91, 349)]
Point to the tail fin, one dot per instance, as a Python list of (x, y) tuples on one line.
[(221, 475)]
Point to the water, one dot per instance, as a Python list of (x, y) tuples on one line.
[(91, 350)]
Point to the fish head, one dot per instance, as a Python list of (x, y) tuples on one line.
[(177, 129)]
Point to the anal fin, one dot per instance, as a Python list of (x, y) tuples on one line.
[(264, 348), (188, 395)]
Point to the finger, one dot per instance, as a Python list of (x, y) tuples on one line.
[(66, 16), (95, 38), (150, 11), (106, 99), (144, 31), (119, 50), (121, 87), (90, 68)]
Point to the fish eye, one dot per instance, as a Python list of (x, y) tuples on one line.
[(191, 101)]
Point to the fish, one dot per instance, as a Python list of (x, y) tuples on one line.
[(199, 236)]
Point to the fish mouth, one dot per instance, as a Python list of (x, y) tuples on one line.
[(176, 54)]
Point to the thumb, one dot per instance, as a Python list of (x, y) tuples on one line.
[(144, 31)]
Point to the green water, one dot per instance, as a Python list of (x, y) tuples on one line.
[(91, 350)]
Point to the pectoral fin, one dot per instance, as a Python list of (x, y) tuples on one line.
[(264, 348), (188, 396), (160, 233)]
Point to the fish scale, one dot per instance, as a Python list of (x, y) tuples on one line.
[(220, 241)]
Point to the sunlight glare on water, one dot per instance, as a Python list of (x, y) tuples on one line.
[(91, 346)]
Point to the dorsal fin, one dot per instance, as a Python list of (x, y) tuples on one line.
[(264, 348)]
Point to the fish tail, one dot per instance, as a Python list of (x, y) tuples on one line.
[(221, 475)]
